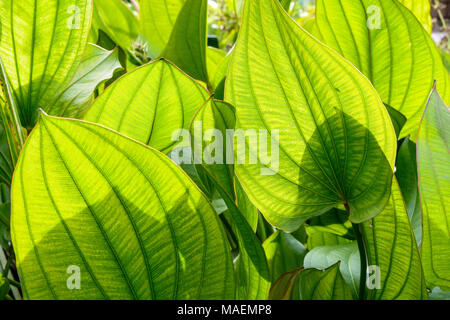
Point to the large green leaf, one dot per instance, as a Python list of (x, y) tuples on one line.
[(42, 44), (284, 253), (157, 19), (387, 43), (124, 214), (422, 11), (329, 118), (149, 104), (433, 164), (117, 21), (187, 43), (323, 285), (98, 65), (393, 249)]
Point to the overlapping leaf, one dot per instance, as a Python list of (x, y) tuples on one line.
[(433, 165), (386, 42), (42, 44), (134, 225), (149, 104), (98, 65), (281, 78)]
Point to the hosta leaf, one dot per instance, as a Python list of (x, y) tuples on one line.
[(433, 166), (422, 10), (393, 249), (149, 104), (329, 118), (117, 21), (322, 258), (124, 214), (387, 43), (283, 253), (157, 19), (406, 175), (187, 44), (323, 285), (42, 44), (98, 65)]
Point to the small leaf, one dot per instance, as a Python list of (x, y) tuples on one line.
[(335, 222), (322, 258), (283, 80), (149, 104), (433, 166), (98, 65), (90, 202), (407, 180), (283, 253)]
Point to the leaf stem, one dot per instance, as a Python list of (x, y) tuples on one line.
[(362, 255)]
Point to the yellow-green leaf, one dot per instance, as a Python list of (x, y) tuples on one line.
[(329, 118), (433, 166), (89, 202)]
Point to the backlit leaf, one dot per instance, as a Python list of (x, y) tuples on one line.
[(124, 215), (329, 118)]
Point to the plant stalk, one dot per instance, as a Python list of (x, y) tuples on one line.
[(362, 255)]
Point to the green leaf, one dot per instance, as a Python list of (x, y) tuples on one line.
[(252, 271), (149, 104), (406, 175), (209, 132), (281, 78), (157, 19), (217, 63), (320, 239), (398, 119), (42, 43), (322, 258), (5, 213), (323, 285), (433, 164), (97, 66), (392, 247), (386, 42), (187, 44), (245, 206), (124, 214), (335, 222), (117, 21), (422, 11), (283, 253)]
